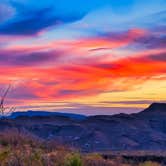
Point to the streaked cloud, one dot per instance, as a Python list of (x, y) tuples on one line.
[(57, 52)]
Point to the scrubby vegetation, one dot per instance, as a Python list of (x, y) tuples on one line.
[(149, 163), (19, 148)]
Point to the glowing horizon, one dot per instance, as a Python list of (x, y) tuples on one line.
[(76, 55)]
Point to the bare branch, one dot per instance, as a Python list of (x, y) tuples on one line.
[(2, 108)]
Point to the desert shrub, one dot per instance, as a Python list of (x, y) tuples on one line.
[(18, 157), (14, 137), (52, 145), (4, 155), (149, 163), (55, 158), (19, 148), (96, 159), (93, 160), (73, 159)]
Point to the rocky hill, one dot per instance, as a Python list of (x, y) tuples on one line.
[(145, 130)]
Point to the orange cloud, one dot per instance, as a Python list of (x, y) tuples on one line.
[(68, 69)]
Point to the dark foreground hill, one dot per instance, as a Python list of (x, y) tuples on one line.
[(141, 131)]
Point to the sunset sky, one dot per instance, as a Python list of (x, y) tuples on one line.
[(83, 56)]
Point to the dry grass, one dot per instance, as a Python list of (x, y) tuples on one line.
[(149, 163), (23, 149)]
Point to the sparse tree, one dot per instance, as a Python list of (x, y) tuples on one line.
[(4, 109)]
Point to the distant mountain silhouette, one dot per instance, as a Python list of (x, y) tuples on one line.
[(145, 130), (46, 114)]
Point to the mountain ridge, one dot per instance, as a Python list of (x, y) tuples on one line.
[(145, 130), (31, 113)]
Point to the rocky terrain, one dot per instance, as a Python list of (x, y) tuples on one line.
[(145, 130)]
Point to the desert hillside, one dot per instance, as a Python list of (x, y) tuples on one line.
[(145, 130)]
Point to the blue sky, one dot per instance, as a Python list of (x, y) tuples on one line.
[(98, 54)]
